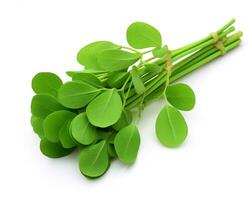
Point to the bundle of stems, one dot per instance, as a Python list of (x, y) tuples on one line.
[(92, 112), (185, 60)]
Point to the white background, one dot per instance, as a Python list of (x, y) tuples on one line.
[(45, 35)]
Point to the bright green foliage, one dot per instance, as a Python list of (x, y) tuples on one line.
[(94, 160), (65, 136), (56, 127), (137, 82), (76, 94), (53, 150), (72, 73), (125, 120), (82, 131), (117, 79), (127, 143), (46, 83), (171, 128), (88, 79), (43, 104), (141, 35), (181, 96), (161, 51), (153, 68), (92, 112), (89, 71), (87, 56), (117, 60), (37, 125), (105, 110)]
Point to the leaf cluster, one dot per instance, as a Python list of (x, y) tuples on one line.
[(93, 111), (83, 114)]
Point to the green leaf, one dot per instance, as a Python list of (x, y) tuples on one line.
[(76, 94), (56, 127), (72, 73), (125, 120), (88, 79), (117, 79), (181, 96), (105, 110), (141, 35), (89, 71), (117, 60), (65, 136), (82, 131), (137, 82), (94, 160), (53, 150), (160, 51), (171, 128), (37, 125), (43, 104), (153, 68), (127, 143), (46, 83), (87, 56)]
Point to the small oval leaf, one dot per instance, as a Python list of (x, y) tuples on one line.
[(127, 143), (37, 125), (153, 68), (160, 52), (94, 160), (89, 71), (87, 78), (76, 94), (82, 131), (106, 109), (117, 79), (137, 82), (46, 83), (181, 96), (56, 127), (171, 128), (43, 104), (87, 56), (65, 136), (72, 73), (141, 35), (117, 60), (53, 150)]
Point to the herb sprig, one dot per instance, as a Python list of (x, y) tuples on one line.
[(93, 111)]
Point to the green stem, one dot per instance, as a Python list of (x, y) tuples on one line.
[(203, 45), (161, 79), (134, 100), (204, 61), (197, 43), (185, 60), (203, 53)]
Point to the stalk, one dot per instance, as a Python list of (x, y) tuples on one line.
[(201, 57)]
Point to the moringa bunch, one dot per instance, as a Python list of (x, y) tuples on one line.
[(92, 111)]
